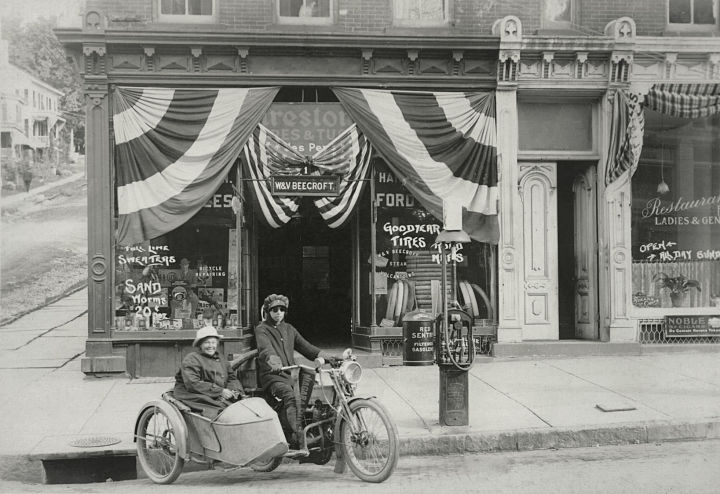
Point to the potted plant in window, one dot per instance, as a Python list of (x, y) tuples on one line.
[(678, 286)]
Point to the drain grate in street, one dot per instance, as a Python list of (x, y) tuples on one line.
[(94, 441)]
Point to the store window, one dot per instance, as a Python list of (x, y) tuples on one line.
[(407, 261), (420, 12), (187, 11), (304, 11), (167, 283), (676, 213), (557, 14), (692, 15)]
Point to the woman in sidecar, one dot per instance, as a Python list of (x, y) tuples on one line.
[(198, 420), (205, 380)]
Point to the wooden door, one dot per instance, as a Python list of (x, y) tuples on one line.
[(586, 309), (537, 189)]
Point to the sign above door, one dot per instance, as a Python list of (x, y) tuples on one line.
[(305, 185)]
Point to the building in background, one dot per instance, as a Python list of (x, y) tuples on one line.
[(593, 225), (30, 116)]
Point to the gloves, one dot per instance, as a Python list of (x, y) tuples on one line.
[(329, 357), (275, 363)]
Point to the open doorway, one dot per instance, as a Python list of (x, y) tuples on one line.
[(577, 241), (312, 265)]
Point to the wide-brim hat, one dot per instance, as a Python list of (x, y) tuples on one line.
[(205, 332)]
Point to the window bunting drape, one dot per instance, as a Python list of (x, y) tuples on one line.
[(266, 154), (441, 145), (626, 136), (627, 128), (684, 100), (173, 149)]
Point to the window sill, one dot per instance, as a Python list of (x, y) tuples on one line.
[(692, 31)]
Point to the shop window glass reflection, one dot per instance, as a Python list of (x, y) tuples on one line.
[(408, 262), (676, 214), (166, 283)]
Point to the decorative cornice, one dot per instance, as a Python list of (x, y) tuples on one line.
[(277, 40)]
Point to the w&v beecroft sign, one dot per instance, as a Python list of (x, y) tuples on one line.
[(692, 326), (305, 185)]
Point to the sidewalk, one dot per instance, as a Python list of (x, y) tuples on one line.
[(515, 404), (15, 199)]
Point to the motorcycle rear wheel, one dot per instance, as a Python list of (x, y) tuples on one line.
[(372, 452), (157, 447), (268, 466)]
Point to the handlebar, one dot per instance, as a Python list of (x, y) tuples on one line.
[(317, 367), (297, 366)]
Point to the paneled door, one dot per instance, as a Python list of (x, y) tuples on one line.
[(537, 190), (586, 310)]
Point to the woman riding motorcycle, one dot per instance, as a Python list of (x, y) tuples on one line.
[(276, 343)]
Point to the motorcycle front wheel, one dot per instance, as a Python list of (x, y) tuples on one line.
[(372, 450), (157, 448)]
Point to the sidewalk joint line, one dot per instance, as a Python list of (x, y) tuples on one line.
[(109, 391), (513, 399), (51, 329), (68, 361), (425, 424), (609, 390)]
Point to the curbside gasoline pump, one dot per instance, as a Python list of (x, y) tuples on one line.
[(454, 346)]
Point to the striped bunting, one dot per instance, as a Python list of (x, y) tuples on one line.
[(348, 154), (266, 154), (173, 149), (628, 119), (442, 146), (684, 100), (627, 129)]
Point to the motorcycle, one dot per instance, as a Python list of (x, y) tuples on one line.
[(248, 433)]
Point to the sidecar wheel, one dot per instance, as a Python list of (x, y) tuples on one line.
[(268, 466), (157, 447), (372, 450)]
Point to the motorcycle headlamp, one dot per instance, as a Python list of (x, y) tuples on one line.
[(351, 371)]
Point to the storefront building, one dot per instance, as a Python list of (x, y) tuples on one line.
[(241, 148)]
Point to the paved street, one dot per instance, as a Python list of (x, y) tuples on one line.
[(650, 468)]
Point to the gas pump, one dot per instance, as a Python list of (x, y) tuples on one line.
[(455, 348)]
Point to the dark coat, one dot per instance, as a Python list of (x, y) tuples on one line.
[(201, 379), (281, 340)]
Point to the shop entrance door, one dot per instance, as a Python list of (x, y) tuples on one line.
[(577, 241), (537, 188), (312, 265), (586, 310), (559, 232)]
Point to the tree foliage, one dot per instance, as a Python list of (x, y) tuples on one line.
[(34, 47)]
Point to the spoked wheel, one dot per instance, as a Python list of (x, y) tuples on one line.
[(157, 446), (371, 444), (267, 466)]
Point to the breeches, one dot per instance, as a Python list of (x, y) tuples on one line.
[(285, 393)]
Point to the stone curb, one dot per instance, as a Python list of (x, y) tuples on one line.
[(28, 468), (528, 440)]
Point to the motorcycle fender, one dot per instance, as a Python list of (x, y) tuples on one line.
[(340, 463), (176, 418)]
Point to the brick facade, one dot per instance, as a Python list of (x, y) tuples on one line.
[(469, 17)]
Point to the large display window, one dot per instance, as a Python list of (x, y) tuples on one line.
[(676, 214), (167, 283), (402, 264)]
